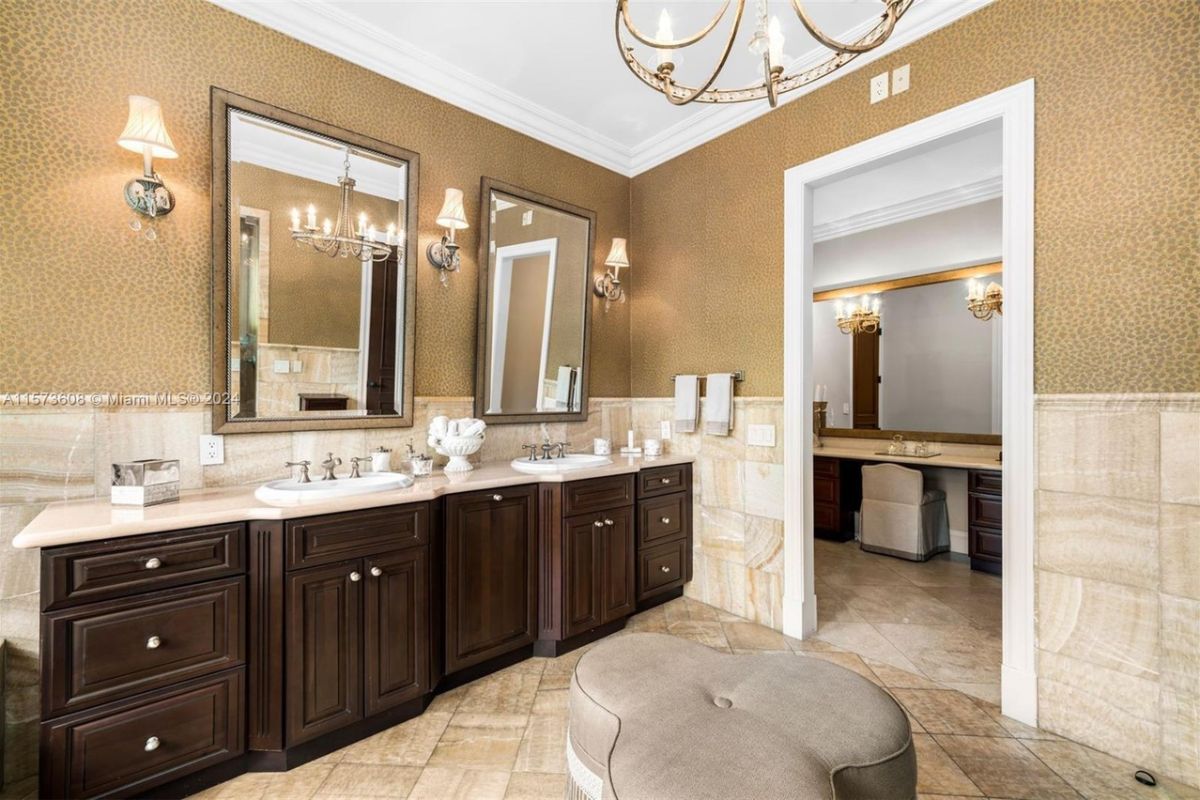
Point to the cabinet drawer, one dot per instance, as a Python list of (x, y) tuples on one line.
[(985, 510), (84, 573), (337, 537), (986, 544), (663, 519), (661, 568), (826, 489), (110, 650), (132, 746), (597, 494), (826, 517), (663, 480), (825, 466), (981, 482)]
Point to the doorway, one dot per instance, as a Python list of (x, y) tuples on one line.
[(1013, 108)]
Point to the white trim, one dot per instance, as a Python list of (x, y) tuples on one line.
[(501, 295), (932, 203), (348, 37), (364, 329), (1015, 107)]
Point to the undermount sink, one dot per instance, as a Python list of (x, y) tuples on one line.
[(564, 464), (290, 492)]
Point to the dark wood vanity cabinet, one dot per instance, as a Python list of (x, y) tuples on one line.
[(985, 520), (491, 591), (664, 533), (837, 493)]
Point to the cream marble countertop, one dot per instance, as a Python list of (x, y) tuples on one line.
[(75, 521), (950, 455)]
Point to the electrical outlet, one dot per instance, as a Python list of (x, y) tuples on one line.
[(297, 366), (900, 79), (845, 408), (879, 87), (235, 365), (664, 429), (527, 218), (760, 435), (212, 450)]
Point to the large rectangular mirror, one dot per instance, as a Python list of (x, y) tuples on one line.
[(931, 369), (535, 263), (313, 292)]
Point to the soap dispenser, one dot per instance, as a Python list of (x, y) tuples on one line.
[(381, 459)]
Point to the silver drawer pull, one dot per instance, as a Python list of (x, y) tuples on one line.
[(153, 563), (665, 569), (665, 520), (664, 481), (376, 571), (609, 522), (497, 497), (151, 744), (599, 523), (354, 576), (153, 643)]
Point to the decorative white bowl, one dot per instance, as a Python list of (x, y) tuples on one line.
[(458, 448)]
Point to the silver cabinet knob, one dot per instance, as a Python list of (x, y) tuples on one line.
[(664, 481), (598, 523), (665, 520), (153, 563), (497, 497), (151, 744), (609, 522), (376, 571), (665, 569), (354, 576), (153, 643)]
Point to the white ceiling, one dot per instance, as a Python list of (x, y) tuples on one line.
[(551, 68)]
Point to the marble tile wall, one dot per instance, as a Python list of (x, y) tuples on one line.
[(1118, 576), (52, 454)]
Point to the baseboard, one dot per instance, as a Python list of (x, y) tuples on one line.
[(799, 616), (958, 541), (1018, 694)]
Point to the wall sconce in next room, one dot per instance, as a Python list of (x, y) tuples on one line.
[(983, 303), (145, 133), (444, 255), (608, 285)]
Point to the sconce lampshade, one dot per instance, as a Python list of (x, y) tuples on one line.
[(452, 215), (145, 129), (617, 257)]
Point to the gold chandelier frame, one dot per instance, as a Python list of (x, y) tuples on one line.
[(775, 82)]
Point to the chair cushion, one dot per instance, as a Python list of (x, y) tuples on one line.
[(660, 717)]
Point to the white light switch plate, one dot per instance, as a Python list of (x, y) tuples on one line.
[(879, 87), (281, 366), (235, 365), (760, 435), (664, 429), (527, 218), (212, 450), (845, 408), (297, 366), (900, 79)]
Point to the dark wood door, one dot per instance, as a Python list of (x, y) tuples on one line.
[(618, 595), (396, 628), (866, 380), (583, 558), (381, 332), (324, 667), (491, 586)]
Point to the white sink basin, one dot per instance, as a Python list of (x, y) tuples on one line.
[(565, 464), (289, 492)]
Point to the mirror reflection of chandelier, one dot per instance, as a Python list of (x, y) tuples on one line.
[(767, 44), (363, 243), (984, 303), (860, 317)]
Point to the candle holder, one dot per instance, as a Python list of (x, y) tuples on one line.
[(820, 410)]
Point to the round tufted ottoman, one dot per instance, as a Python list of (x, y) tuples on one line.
[(655, 717)]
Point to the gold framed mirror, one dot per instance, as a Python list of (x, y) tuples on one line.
[(313, 273)]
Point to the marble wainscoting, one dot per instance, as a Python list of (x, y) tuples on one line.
[(737, 508), (1118, 576), (51, 454)]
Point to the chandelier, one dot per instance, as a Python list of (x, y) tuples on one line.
[(766, 43), (343, 239), (860, 317), (984, 303)]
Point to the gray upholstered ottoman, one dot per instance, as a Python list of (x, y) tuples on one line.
[(655, 717)]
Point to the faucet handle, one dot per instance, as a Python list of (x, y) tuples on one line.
[(354, 462), (303, 465), (563, 448), (532, 448)]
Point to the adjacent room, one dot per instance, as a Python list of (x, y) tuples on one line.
[(641, 399)]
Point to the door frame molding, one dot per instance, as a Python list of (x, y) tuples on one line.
[(1014, 107)]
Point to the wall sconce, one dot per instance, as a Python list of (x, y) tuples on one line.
[(145, 133), (860, 317), (608, 285), (444, 255), (983, 303)]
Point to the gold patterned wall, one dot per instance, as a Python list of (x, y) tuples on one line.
[(87, 305), (1117, 220)]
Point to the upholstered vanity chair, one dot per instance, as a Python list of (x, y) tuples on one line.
[(899, 516)]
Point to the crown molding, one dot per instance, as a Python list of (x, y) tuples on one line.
[(344, 35), (932, 203)]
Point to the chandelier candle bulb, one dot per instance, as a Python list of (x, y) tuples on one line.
[(776, 38), (295, 219), (312, 217), (664, 34)]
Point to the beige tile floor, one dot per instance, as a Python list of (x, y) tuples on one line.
[(938, 619)]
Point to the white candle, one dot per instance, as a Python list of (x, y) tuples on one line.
[(664, 34), (630, 439), (295, 219), (312, 216)]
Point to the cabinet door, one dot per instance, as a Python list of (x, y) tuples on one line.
[(396, 628), (491, 585), (583, 558), (618, 590), (324, 669)]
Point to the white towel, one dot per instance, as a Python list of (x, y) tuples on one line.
[(718, 403), (563, 387), (687, 403)]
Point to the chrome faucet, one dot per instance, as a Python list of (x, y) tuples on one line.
[(354, 462), (303, 465), (532, 448), (328, 465), (547, 449), (562, 448)]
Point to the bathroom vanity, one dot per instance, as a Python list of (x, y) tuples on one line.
[(253, 638)]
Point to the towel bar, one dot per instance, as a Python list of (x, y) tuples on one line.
[(738, 376)]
